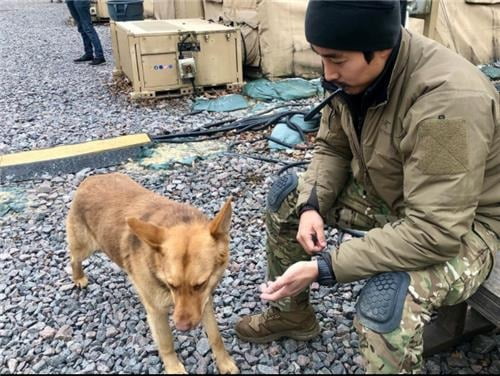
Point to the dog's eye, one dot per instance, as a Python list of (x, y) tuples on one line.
[(199, 286), (171, 286)]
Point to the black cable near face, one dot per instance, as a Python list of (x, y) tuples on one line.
[(320, 106)]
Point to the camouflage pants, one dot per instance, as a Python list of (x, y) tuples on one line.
[(399, 351)]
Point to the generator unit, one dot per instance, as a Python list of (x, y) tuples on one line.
[(163, 58), (99, 10)]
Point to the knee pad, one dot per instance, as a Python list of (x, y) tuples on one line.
[(281, 188), (381, 301)]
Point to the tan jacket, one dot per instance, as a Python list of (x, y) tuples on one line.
[(431, 152)]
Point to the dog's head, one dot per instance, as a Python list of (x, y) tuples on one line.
[(189, 258)]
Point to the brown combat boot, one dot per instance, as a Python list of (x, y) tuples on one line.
[(273, 324)]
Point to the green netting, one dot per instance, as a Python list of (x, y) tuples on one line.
[(287, 89), (11, 199), (163, 156), (284, 133), (225, 103)]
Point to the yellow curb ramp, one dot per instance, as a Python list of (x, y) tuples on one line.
[(71, 158)]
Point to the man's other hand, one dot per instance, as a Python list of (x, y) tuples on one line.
[(311, 233), (295, 279)]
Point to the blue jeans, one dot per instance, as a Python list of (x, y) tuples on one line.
[(80, 11)]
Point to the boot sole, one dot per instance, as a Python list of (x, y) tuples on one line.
[(298, 335)]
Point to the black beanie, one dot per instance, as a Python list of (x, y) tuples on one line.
[(353, 25)]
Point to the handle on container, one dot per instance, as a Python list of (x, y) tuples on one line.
[(118, 13)]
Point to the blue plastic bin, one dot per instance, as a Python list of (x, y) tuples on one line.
[(126, 10)]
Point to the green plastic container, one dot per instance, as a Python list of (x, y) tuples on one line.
[(126, 10)]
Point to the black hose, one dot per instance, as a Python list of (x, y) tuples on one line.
[(290, 124), (290, 165), (256, 122), (265, 159), (320, 106), (283, 143)]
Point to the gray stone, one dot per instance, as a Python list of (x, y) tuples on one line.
[(12, 364), (358, 360), (261, 368), (342, 330), (202, 366), (202, 346), (338, 369), (250, 358), (111, 332), (324, 371), (457, 360), (39, 366), (65, 333), (290, 346), (494, 368), (303, 360), (327, 335), (103, 368), (483, 344), (38, 327)]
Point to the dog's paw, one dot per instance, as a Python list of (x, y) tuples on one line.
[(81, 282), (176, 369), (228, 366)]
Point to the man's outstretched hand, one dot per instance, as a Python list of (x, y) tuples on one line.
[(295, 279)]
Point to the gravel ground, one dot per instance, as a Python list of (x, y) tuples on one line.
[(46, 325)]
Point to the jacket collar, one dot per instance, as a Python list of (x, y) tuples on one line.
[(378, 91)]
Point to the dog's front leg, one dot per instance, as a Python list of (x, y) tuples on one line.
[(224, 361), (162, 335)]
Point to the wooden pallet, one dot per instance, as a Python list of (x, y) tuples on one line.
[(486, 300), (479, 314), (188, 90), (175, 92), (100, 20)]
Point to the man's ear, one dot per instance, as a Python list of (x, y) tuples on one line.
[(221, 223), (147, 232), (384, 54)]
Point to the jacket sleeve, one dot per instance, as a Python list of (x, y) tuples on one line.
[(330, 165), (444, 151)]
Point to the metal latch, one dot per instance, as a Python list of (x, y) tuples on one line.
[(187, 68), (419, 7)]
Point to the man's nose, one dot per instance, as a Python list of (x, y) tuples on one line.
[(331, 73)]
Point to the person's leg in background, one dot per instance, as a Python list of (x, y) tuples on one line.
[(87, 44), (401, 350), (83, 9)]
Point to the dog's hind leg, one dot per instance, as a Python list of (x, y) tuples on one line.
[(224, 361), (81, 245)]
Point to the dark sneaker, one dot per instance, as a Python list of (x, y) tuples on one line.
[(274, 324), (83, 58), (97, 61)]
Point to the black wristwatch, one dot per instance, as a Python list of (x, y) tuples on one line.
[(326, 276)]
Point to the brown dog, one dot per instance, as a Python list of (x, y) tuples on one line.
[(173, 254)]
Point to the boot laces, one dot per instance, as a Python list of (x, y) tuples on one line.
[(271, 314)]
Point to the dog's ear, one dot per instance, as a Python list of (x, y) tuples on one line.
[(220, 224), (151, 234)]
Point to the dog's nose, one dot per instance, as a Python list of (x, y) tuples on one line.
[(183, 326)]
